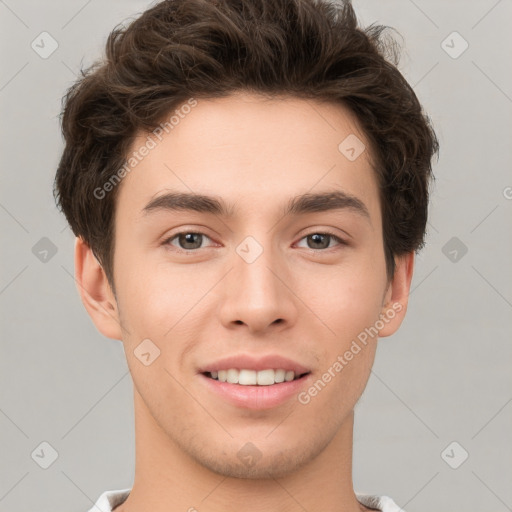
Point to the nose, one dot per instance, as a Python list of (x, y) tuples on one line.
[(258, 294)]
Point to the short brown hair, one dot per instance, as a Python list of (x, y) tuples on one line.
[(180, 49)]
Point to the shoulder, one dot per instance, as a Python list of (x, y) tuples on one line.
[(108, 500), (378, 503)]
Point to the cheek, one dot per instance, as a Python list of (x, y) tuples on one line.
[(348, 307), (167, 306), (156, 313), (156, 297), (148, 294), (347, 299)]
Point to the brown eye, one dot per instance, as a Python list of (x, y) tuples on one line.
[(187, 240), (322, 240)]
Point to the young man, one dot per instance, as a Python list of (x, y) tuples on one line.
[(248, 184)]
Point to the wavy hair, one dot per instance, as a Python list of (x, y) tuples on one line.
[(179, 49)]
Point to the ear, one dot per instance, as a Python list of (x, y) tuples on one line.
[(396, 298), (95, 291)]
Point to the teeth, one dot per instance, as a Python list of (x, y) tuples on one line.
[(232, 376), (279, 375), (252, 377), (247, 377), (265, 377)]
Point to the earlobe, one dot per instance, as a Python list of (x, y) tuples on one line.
[(95, 291), (397, 295)]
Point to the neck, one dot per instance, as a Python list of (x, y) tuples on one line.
[(167, 478)]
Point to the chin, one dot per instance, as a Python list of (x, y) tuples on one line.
[(262, 458), (264, 468)]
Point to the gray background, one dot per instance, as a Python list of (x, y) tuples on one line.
[(444, 377)]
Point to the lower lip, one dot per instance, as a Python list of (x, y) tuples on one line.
[(256, 397)]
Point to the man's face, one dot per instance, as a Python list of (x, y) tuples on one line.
[(257, 282)]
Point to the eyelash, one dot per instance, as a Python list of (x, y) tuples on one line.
[(167, 242)]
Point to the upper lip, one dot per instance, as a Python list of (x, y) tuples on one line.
[(248, 362)]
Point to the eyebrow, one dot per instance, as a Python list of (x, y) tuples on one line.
[(302, 204)]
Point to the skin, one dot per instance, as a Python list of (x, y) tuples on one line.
[(297, 299)]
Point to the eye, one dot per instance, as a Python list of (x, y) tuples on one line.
[(321, 240), (187, 240), (191, 240)]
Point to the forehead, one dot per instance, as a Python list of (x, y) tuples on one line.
[(251, 151)]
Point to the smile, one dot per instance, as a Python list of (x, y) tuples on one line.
[(254, 378)]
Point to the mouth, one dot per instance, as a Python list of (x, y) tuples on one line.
[(245, 377), (251, 381), (256, 390)]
